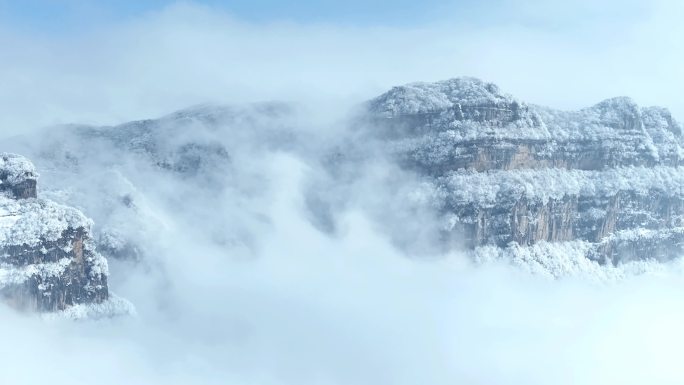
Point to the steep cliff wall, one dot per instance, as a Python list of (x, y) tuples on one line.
[(505, 173), (47, 259)]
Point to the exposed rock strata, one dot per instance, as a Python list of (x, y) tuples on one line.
[(503, 172), (48, 262)]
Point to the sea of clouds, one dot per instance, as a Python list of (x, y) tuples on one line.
[(241, 285)]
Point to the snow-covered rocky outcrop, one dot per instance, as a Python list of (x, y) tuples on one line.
[(47, 259), (17, 176), (506, 174)]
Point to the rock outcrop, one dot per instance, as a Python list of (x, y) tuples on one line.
[(506, 174), (47, 259), (17, 177)]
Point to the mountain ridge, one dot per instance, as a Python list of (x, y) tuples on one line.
[(502, 172), (496, 170)]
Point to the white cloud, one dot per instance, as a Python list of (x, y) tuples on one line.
[(311, 309), (305, 308), (188, 54)]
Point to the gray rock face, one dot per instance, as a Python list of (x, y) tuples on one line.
[(17, 177), (80, 281), (47, 259), (503, 172)]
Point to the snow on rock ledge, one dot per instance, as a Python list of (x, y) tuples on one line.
[(18, 176), (48, 261), (521, 179)]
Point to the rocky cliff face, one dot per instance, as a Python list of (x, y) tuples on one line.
[(47, 259), (506, 174)]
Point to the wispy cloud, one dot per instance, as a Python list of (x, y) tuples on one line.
[(187, 54), (310, 309)]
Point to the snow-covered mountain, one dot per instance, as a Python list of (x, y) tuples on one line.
[(507, 174), (452, 165)]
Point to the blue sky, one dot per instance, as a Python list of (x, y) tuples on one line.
[(68, 15), (77, 16)]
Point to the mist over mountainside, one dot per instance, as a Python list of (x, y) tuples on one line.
[(452, 165), (194, 155), (442, 192), (260, 243)]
